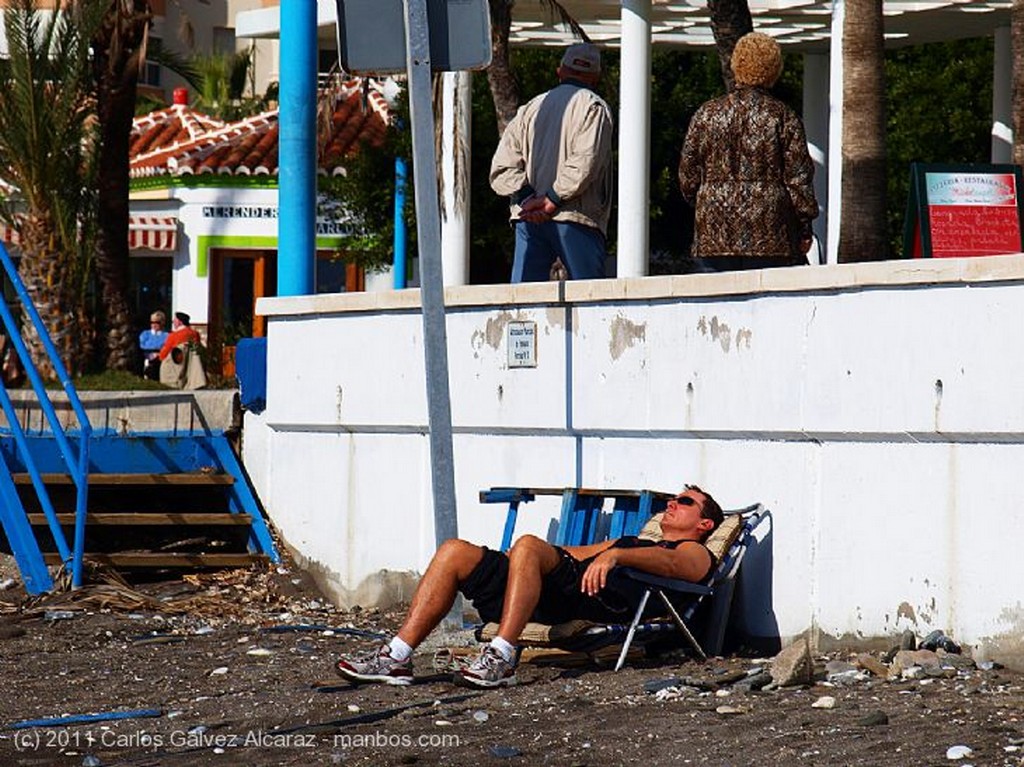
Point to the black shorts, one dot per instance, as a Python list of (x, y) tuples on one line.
[(560, 598)]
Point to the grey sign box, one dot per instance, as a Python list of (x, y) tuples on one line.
[(371, 35)]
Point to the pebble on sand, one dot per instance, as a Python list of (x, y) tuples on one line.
[(954, 753)]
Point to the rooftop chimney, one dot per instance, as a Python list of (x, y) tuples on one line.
[(181, 96)]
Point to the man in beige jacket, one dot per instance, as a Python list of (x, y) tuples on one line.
[(554, 163)]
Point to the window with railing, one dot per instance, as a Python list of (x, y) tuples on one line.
[(150, 73)]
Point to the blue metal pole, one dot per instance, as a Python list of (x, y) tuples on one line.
[(296, 224), (81, 509), (401, 235)]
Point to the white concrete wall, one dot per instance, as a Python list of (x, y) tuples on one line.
[(876, 409)]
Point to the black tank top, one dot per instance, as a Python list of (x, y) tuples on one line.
[(618, 600), (633, 542)]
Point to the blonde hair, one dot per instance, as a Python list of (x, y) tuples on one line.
[(158, 316), (757, 60)]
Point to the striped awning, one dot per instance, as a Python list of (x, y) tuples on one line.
[(149, 232), (152, 233), (8, 234)]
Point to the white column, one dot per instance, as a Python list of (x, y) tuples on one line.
[(835, 134), (634, 139), (816, 108), (1002, 98), (456, 127)]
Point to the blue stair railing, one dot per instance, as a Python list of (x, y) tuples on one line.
[(77, 461)]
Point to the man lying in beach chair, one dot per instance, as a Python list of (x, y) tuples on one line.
[(705, 605), (540, 582)]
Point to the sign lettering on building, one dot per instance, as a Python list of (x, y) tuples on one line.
[(239, 211), (324, 228)]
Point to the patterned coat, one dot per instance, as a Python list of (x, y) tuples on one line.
[(746, 170)]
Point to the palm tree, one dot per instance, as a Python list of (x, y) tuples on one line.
[(221, 80), (862, 237), (119, 50), (1017, 36), (47, 148)]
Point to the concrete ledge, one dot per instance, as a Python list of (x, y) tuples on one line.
[(799, 279), (129, 412)]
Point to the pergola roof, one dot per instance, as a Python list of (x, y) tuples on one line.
[(804, 24)]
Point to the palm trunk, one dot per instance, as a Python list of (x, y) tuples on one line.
[(111, 257), (115, 67), (1017, 37), (730, 20), (504, 88), (45, 272), (862, 230)]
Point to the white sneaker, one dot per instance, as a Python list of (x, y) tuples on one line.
[(490, 669), (376, 666)]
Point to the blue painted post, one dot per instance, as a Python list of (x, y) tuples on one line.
[(15, 427), (401, 235), (296, 223), (20, 537)]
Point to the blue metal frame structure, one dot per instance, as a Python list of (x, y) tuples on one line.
[(106, 452), (77, 462), (243, 500)]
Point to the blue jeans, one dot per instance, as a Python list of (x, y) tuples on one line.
[(581, 249)]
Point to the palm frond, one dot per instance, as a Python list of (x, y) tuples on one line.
[(45, 125), (566, 18), (184, 67)]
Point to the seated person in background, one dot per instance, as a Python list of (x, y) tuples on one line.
[(181, 333), (151, 340), (181, 366), (541, 582)]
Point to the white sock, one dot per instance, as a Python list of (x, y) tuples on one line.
[(399, 649), (507, 650)]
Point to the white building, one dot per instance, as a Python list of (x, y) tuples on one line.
[(204, 211)]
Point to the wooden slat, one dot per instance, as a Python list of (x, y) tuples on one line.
[(148, 518), (150, 559), (192, 478)]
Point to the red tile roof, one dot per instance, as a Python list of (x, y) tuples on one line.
[(177, 141), (170, 127)]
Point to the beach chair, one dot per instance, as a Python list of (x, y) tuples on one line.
[(635, 512), (733, 537)]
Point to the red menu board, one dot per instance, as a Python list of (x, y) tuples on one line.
[(966, 210)]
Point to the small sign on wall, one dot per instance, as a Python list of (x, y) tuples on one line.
[(521, 338)]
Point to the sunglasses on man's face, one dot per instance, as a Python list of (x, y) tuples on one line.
[(685, 500)]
